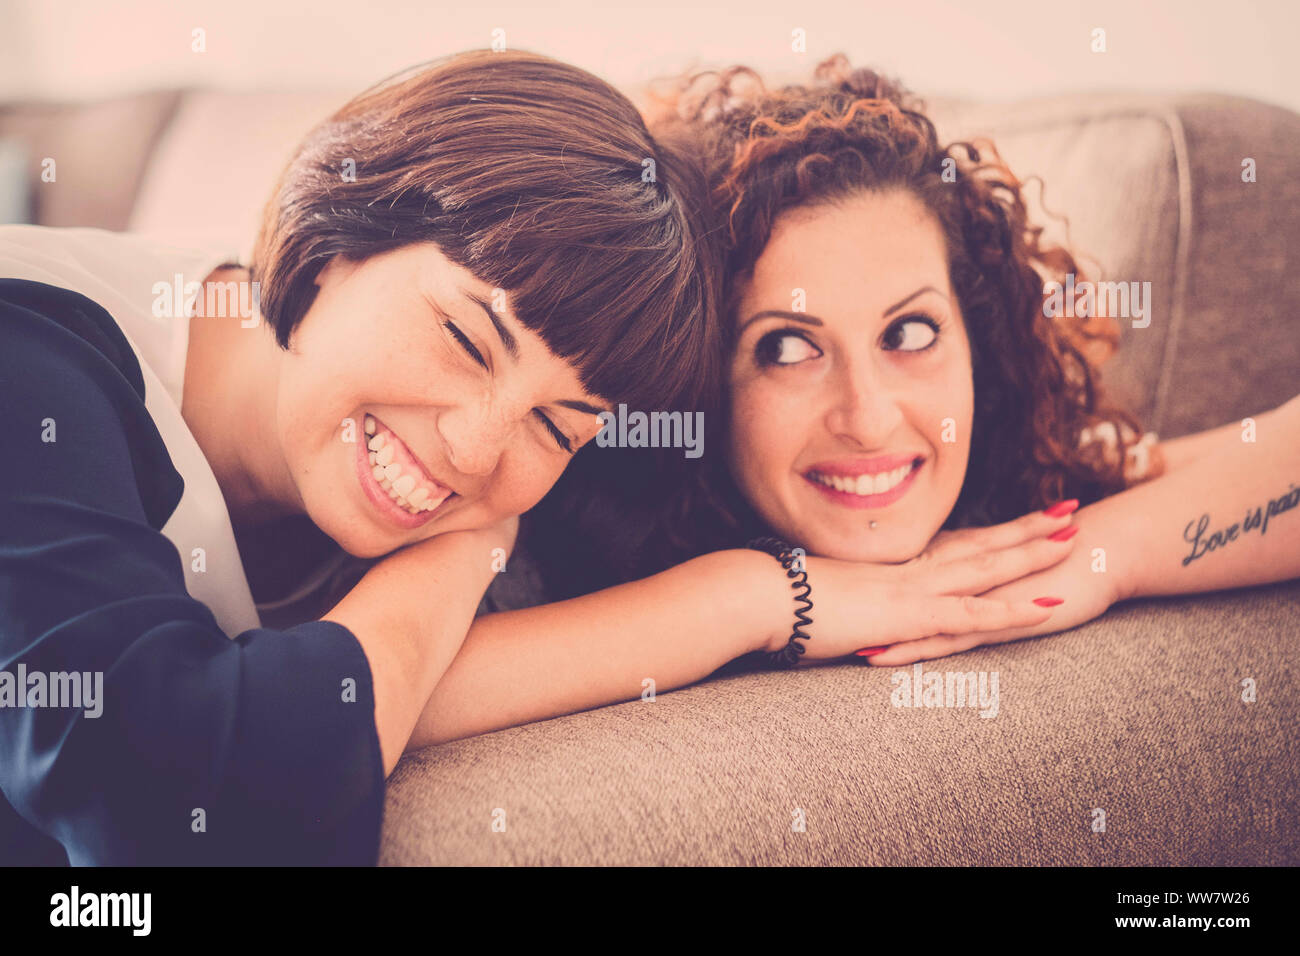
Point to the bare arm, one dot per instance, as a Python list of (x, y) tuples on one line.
[(408, 637), (674, 628), (1226, 518), (1220, 518), (681, 625)]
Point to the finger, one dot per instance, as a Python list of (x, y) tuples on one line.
[(925, 649), (1036, 524), (967, 614), (990, 569)]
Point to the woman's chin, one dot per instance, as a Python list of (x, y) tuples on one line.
[(875, 546), (870, 553)]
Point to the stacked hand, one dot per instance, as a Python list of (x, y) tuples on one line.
[(969, 587), (1080, 581)]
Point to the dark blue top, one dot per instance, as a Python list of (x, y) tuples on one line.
[(257, 733)]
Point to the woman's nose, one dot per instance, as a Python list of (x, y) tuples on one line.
[(863, 409), (475, 438)]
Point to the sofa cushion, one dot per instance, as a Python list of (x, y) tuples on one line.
[(214, 170), (1152, 188), (99, 150), (1138, 714)]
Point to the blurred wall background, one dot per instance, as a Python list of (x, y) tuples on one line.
[(989, 49)]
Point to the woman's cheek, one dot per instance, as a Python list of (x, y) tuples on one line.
[(521, 483)]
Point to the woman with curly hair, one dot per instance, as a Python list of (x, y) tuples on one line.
[(899, 395), (929, 381)]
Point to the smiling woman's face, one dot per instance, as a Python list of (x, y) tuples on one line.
[(470, 411), (857, 408)]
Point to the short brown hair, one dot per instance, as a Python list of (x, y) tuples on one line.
[(537, 177)]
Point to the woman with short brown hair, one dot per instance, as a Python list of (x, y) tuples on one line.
[(457, 271)]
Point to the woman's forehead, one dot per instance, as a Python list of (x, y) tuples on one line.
[(849, 253)]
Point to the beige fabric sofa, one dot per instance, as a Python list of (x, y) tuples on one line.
[(1137, 716)]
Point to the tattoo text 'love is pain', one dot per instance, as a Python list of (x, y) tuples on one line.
[(1202, 545)]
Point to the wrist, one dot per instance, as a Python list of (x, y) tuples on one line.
[(1120, 539), (766, 599)]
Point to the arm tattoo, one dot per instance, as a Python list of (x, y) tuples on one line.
[(1203, 544)]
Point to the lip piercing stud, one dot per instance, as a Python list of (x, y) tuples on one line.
[(873, 525)]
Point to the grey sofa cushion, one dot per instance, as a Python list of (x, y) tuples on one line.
[(100, 151), (1152, 190), (1137, 714)]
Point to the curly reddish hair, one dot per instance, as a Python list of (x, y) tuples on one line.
[(1038, 397), (1039, 408)]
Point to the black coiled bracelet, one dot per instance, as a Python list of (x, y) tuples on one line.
[(789, 655)]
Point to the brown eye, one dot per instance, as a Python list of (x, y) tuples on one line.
[(784, 347), (910, 335)]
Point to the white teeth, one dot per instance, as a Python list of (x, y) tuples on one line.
[(866, 484), (405, 490), (419, 502)]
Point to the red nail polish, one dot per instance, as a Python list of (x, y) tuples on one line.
[(1061, 508), (871, 651), (1048, 601), (1065, 534)]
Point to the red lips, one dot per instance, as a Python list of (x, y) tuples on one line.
[(852, 467)]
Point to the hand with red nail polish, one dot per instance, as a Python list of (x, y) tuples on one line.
[(1071, 592), (888, 606), (949, 592)]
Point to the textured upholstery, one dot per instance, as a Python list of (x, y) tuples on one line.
[(1152, 188), (1138, 714)]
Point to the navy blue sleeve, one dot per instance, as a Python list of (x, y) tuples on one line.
[(205, 750)]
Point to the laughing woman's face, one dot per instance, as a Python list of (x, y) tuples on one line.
[(461, 416), (857, 407)]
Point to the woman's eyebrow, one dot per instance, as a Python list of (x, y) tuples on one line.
[(508, 340), (807, 319), (578, 406), (803, 317), (919, 292)]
